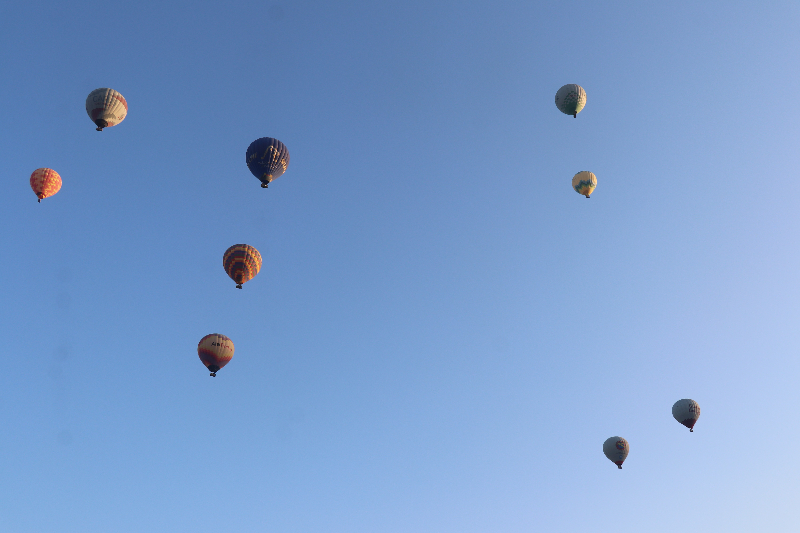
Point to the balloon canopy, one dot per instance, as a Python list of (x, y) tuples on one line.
[(584, 183), (215, 351), (267, 159), (242, 262), (45, 182), (106, 107), (616, 449), (570, 99), (686, 412)]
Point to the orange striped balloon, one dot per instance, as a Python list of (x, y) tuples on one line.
[(242, 262), (215, 351), (45, 182)]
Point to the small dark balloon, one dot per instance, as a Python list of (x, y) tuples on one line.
[(267, 159)]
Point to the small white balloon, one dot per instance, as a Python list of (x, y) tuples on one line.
[(686, 412), (106, 107), (616, 449), (570, 99)]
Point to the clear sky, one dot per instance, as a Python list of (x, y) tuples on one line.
[(443, 332)]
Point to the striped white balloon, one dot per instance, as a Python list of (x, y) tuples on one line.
[(570, 99), (106, 107), (616, 449), (686, 412)]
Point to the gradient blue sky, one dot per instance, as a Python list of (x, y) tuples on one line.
[(443, 333)]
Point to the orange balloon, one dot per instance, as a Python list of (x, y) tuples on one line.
[(242, 262), (45, 182)]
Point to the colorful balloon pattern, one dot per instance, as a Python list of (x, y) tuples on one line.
[(242, 262), (570, 99), (686, 412), (267, 159), (106, 107), (616, 449), (45, 182), (584, 183), (215, 351)]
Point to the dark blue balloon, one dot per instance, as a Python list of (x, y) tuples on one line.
[(267, 159)]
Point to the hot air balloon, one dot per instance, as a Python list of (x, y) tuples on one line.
[(215, 351), (686, 412), (242, 262), (106, 108), (616, 449), (570, 99), (584, 183), (45, 182), (267, 159)]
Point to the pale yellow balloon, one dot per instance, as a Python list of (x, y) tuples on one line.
[(584, 183), (215, 351)]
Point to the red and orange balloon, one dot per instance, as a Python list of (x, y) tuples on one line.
[(45, 182)]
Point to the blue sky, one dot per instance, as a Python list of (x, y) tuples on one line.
[(443, 333)]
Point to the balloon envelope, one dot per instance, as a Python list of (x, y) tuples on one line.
[(215, 351), (570, 99), (106, 107), (686, 412), (45, 182), (616, 449), (242, 262), (584, 183), (267, 159)]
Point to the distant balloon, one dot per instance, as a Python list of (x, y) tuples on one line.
[(242, 262), (215, 351), (570, 99), (584, 183), (267, 159), (106, 108), (686, 412), (616, 449), (45, 182)]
